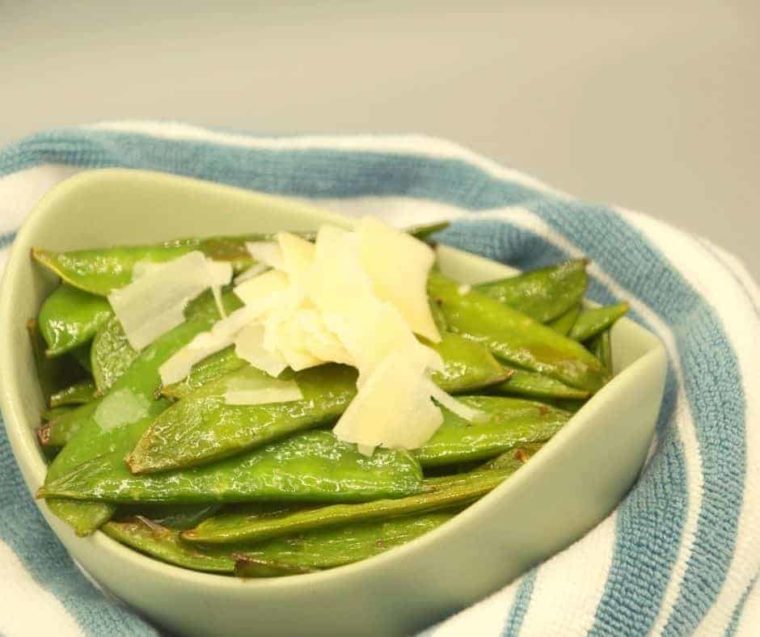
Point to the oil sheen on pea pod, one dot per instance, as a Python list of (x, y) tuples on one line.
[(505, 423), (243, 526), (100, 271), (303, 553), (534, 385), (515, 337), (110, 355), (313, 466), (564, 322), (70, 317), (596, 320), (113, 423), (203, 428), (543, 294), (76, 394)]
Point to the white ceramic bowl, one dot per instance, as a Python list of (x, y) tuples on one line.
[(566, 489)]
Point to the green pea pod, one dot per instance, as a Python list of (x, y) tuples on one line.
[(564, 322), (203, 428), (468, 365), (535, 385), (54, 374), (113, 423), (321, 549), (601, 347), (505, 423), (332, 547), (207, 370), (102, 270), (76, 394), (111, 355), (596, 320), (243, 526), (543, 294), (515, 337), (308, 467), (69, 317), (164, 544)]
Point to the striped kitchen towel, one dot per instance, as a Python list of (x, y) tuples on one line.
[(680, 555)]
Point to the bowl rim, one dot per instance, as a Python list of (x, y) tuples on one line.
[(32, 466)]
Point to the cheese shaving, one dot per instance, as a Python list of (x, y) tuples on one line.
[(266, 252), (352, 297), (154, 302)]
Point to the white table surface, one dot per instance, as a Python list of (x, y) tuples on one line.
[(651, 105)]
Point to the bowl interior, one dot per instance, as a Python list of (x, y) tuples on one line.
[(108, 207)]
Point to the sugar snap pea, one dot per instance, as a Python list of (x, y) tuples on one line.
[(542, 294), (564, 322), (242, 526), (505, 423), (164, 544), (515, 337), (101, 271), (534, 385), (203, 428), (332, 547), (56, 412), (76, 394), (70, 317), (111, 355), (308, 467), (108, 424), (595, 320), (306, 552)]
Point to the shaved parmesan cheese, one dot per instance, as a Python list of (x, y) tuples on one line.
[(392, 408), (119, 408), (398, 266), (155, 301), (267, 252), (249, 345), (297, 257), (283, 334), (465, 412), (221, 335), (253, 271), (251, 390), (262, 291)]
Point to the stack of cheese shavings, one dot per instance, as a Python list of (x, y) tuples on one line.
[(352, 297)]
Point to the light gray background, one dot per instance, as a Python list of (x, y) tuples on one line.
[(651, 105)]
